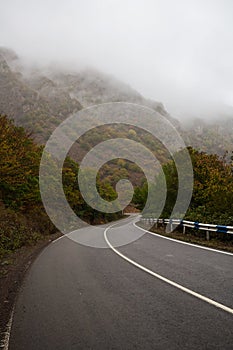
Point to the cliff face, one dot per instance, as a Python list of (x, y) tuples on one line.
[(91, 87), (40, 100), (33, 105)]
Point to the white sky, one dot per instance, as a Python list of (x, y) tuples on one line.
[(179, 52)]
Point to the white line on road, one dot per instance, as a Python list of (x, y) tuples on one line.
[(6, 339), (164, 279), (182, 242)]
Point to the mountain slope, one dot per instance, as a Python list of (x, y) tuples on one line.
[(32, 107), (40, 99), (211, 137)]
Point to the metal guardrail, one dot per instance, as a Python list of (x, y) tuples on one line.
[(191, 224)]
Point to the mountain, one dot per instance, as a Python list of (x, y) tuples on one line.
[(214, 136), (59, 92), (39, 106), (92, 87), (40, 99)]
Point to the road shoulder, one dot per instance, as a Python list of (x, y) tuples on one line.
[(13, 268)]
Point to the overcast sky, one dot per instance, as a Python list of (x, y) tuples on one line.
[(179, 52)]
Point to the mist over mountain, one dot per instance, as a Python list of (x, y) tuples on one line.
[(39, 112), (55, 92), (179, 53), (213, 136), (40, 97)]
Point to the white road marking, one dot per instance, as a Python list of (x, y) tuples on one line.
[(182, 242), (58, 239), (6, 339), (166, 280)]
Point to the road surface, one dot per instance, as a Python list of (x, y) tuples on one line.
[(78, 297)]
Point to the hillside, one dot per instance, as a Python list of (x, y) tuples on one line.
[(40, 99), (211, 137), (32, 106), (92, 87), (22, 215), (57, 93)]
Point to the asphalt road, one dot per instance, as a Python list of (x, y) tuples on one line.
[(78, 297)]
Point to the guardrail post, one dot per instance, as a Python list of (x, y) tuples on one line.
[(184, 229), (170, 225), (207, 235)]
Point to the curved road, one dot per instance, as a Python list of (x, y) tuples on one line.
[(77, 297)]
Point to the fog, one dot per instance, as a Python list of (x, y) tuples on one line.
[(177, 52)]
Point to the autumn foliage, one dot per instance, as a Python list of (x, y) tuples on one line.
[(212, 199), (22, 216)]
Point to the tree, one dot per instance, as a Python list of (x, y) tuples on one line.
[(212, 199)]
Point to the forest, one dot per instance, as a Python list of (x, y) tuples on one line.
[(212, 198), (23, 219)]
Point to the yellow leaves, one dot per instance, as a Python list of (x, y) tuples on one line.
[(19, 163)]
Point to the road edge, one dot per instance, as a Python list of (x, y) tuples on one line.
[(14, 279)]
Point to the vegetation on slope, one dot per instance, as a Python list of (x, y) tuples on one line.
[(22, 216), (212, 199)]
